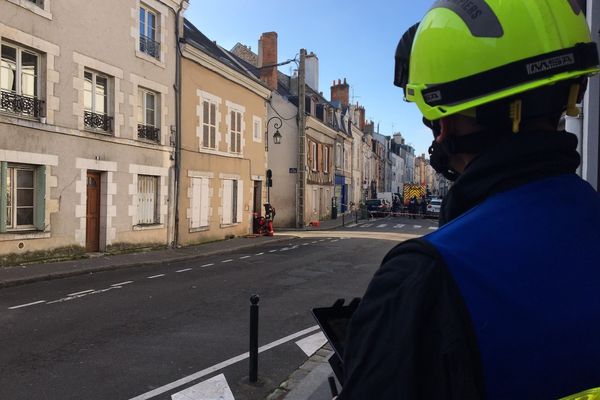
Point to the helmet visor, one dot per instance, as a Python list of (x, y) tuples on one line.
[(403, 57)]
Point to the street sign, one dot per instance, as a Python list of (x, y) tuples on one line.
[(293, 170)]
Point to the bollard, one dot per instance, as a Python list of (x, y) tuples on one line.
[(253, 374)]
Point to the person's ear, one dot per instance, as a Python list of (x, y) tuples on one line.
[(446, 129)]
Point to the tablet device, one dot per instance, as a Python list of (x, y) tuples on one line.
[(334, 322)]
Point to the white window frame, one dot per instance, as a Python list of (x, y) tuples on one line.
[(19, 69), (146, 204), (143, 107), (257, 129), (236, 117), (95, 76), (14, 189), (149, 11)]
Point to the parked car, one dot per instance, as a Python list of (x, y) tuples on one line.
[(434, 206), (378, 207)]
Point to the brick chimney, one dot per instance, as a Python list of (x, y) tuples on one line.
[(267, 55), (340, 93), (361, 118)]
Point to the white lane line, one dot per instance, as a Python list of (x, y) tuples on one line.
[(433, 228), (219, 366), (314, 242), (305, 244), (285, 249), (156, 276), (207, 265), (226, 261), (335, 240), (382, 226), (322, 240), (259, 254), (417, 226), (122, 283), (241, 258), (184, 270), (399, 226), (82, 292), (272, 251), (26, 305), (351, 225)]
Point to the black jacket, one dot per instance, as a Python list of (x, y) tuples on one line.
[(411, 337)]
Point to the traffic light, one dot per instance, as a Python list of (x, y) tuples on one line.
[(269, 178)]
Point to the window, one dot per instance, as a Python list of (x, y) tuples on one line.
[(147, 116), (235, 128), (326, 159), (23, 195), (39, 3), (256, 129), (147, 207), (313, 156), (95, 102), (149, 32), (19, 81), (209, 124), (200, 199), (232, 201)]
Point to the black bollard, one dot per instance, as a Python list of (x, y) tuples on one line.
[(253, 375)]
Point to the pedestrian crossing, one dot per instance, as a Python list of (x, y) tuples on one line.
[(396, 226)]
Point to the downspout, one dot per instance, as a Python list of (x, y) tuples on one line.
[(177, 88)]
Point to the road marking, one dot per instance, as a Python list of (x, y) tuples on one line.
[(259, 254), (122, 283), (156, 276), (305, 244), (351, 225), (335, 240), (382, 226), (417, 226), (312, 343), (322, 240), (399, 226), (26, 305), (207, 265), (433, 228), (272, 251), (226, 261), (213, 388), (219, 366), (367, 226), (82, 292), (241, 258), (184, 270), (69, 298), (314, 242), (285, 249)]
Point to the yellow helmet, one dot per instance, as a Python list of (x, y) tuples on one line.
[(466, 53)]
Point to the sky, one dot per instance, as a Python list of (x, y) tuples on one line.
[(353, 39)]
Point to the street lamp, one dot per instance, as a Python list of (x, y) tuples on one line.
[(277, 135)]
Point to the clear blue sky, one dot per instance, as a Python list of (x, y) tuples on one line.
[(354, 39)]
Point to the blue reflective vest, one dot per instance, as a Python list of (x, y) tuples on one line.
[(527, 264)]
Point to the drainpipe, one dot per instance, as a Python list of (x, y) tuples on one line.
[(177, 88)]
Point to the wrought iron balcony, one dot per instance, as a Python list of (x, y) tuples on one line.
[(149, 133), (22, 105), (101, 122), (149, 47)]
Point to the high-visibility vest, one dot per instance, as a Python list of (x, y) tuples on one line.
[(527, 264), (592, 394)]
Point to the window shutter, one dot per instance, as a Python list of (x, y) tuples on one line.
[(196, 201), (227, 203), (310, 155), (40, 198), (240, 200), (319, 157), (204, 203), (3, 172)]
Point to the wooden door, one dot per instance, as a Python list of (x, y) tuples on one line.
[(92, 237)]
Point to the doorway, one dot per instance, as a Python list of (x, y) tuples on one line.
[(257, 198), (92, 230)]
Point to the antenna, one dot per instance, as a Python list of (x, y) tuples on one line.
[(353, 96)]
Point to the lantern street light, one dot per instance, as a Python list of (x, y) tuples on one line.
[(277, 135)]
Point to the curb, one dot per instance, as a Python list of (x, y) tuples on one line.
[(104, 268)]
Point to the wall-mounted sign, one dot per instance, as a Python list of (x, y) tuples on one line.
[(293, 170)]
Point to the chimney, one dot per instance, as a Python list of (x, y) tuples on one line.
[(312, 71), (267, 56), (361, 118), (340, 93)]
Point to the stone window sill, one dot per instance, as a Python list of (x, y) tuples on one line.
[(230, 225), (199, 229), (148, 227), (23, 235)]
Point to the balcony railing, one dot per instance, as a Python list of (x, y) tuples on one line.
[(101, 122), (319, 178), (149, 47), (149, 133), (22, 105)]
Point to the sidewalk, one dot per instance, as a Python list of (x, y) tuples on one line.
[(28, 273)]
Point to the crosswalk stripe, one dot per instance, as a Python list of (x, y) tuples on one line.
[(382, 226), (213, 388), (398, 226)]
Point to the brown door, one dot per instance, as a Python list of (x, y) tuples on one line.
[(258, 197), (92, 237)]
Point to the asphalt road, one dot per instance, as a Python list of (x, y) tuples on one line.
[(125, 333)]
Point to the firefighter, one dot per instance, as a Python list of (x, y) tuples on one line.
[(502, 301)]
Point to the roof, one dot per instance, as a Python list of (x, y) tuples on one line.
[(200, 41)]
